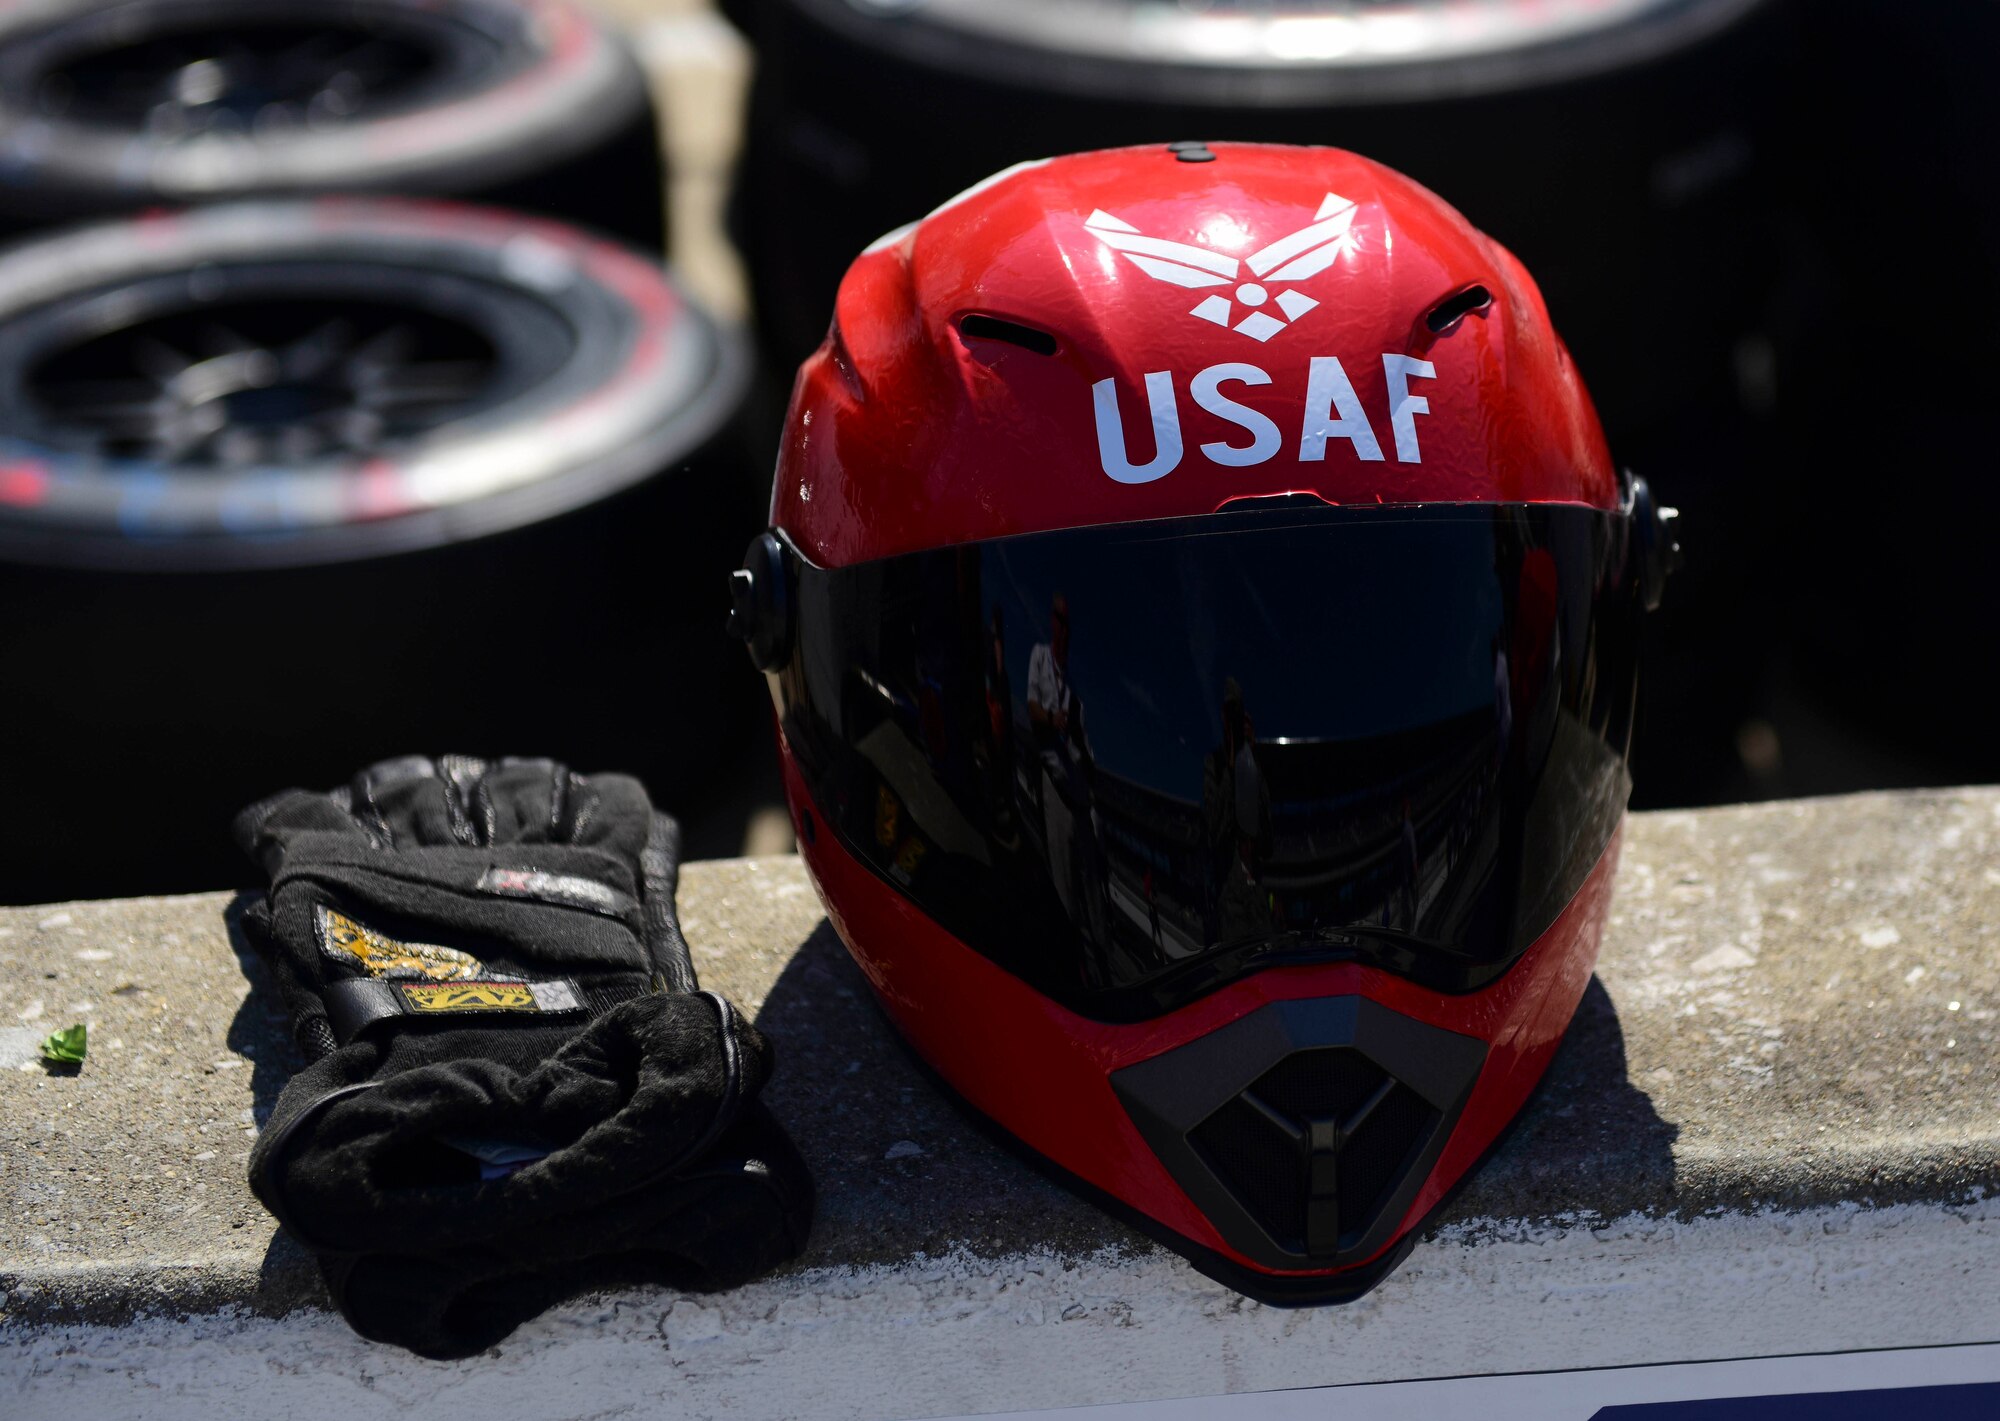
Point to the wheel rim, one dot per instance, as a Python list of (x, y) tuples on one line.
[(229, 386), (290, 363), (458, 371), (112, 103), (224, 69)]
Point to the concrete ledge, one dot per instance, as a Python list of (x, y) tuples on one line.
[(1775, 1128)]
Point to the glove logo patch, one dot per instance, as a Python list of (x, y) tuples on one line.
[(357, 945), (429, 998), (566, 889)]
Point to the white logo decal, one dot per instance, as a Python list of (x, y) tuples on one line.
[(1305, 253), (1332, 411)]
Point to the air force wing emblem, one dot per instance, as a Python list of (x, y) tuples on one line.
[(1273, 271)]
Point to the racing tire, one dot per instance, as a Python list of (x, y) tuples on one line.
[(1625, 153), (1894, 502), (111, 106), (1621, 158), (287, 487)]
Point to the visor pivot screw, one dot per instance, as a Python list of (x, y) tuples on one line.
[(1656, 531), (760, 604)]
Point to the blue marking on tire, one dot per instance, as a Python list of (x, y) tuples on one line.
[(262, 501), (148, 492)]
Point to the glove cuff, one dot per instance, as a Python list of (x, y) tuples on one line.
[(383, 1150)]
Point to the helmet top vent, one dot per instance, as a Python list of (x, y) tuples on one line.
[(981, 327), (1456, 307)]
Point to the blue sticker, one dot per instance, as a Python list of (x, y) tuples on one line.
[(1975, 1401)]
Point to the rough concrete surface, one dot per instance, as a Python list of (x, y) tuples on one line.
[(964, 1334), (1795, 1008)]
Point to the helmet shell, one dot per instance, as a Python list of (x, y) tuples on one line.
[(1155, 334), (1295, 320)]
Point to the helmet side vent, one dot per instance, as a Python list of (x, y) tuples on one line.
[(1456, 307), (981, 327)]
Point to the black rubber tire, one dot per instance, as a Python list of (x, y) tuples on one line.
[(1632, 167), (1624, 165), (160, 675), (529, 104), (1882, 378)]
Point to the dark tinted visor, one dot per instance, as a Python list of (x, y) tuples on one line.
[(1130, 764)]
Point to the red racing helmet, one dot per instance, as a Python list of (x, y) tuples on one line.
[(1201, 612)]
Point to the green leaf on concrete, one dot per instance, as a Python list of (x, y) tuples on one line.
[(66, 1047)]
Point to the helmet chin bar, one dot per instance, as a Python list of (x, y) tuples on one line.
[(1060, 1086), (1305, 1129)]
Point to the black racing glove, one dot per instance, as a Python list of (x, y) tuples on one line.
[(515, 1090)]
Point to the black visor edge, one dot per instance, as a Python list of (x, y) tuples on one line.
[(1131, 764)]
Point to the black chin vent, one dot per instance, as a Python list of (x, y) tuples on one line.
[(977, 327), (1304, 1130), (1314, 1146)]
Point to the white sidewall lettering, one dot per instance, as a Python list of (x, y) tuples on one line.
[(1328, 392), (1111, 432), (1264, 436), (1404, 407)]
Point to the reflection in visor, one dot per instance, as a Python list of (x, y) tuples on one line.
[(1130, 764)]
